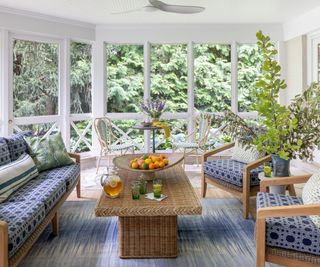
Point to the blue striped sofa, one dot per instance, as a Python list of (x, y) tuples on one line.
[(29, 210)]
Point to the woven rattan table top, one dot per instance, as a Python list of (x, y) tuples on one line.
[(181, 200)]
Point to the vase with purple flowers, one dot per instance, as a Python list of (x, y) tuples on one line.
[(153, 108)]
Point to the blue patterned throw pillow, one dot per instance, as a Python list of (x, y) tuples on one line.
[(17, 145), (4, 152)]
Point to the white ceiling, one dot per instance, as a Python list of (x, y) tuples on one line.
[(217, 11)]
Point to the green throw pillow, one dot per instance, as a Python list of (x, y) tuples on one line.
[(49, 152)]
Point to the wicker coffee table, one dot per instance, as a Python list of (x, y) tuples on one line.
[(148, 228)]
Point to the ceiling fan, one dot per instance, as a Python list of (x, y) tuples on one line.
[(156, 5)]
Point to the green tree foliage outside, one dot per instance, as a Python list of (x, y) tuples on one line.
[(80, 77), (212, 73), (169, 75), (249, 69), (125, 77), (35, 78)]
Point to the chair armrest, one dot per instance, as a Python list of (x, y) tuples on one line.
[(257, 163), (75, 156), (217, 150), (299, 179), (4, 256), (289, 211)]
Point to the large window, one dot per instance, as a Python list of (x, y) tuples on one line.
[(80, 77), (212, 77), (124, 77), (249, 69), (169, 75), (35, 78)]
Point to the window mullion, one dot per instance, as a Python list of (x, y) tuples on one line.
[(147, 87), (5, 86), (64, 91), (234, 77), (190, 89)]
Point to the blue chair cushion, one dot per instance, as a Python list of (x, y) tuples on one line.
[(23, 217), (4, 152), (231, 171), (68, 174), (295, 233), (47, 191), (17, 145)]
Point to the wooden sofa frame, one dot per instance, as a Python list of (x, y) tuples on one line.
[(52, 217), (263, 252), (247, 192)]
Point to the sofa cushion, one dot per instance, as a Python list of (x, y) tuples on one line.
[(17, 145), (23, 217), (4, 152), (230, 171), (15, 174), (47, 191), (68, 174), (296, 233), (311, 195)]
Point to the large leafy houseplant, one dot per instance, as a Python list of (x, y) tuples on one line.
[(286, 132)]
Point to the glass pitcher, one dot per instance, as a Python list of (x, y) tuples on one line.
[(111, 183)]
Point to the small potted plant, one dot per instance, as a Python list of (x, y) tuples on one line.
[(286, 132), (154, 108)]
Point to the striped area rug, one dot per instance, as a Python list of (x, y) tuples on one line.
[(220, 237)]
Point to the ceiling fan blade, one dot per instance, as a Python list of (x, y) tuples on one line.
[(176, 8)]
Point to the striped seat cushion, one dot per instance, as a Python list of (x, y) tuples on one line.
[(16, 174)]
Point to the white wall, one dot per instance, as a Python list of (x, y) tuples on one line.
[(45, 25), (296, 66), (226, 33)]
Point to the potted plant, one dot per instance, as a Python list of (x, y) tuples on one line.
[(286, 132), (153, 108)]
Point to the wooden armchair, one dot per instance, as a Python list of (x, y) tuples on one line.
[(248, 170), (275, 215)]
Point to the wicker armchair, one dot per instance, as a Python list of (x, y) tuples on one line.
[(285, 234), (198, 146), (232, 176), (106, 137)]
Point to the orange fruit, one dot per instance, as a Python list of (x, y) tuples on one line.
[(165, 161), (156, 164), (162, 156), (134, 165), (151, 166), (161, 164)]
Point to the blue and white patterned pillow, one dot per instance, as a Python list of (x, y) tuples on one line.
[(245, 155), (4, 152), (311, 195), (15, 174), (17, 145)]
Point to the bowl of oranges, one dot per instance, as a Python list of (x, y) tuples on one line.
[(146, 164)]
